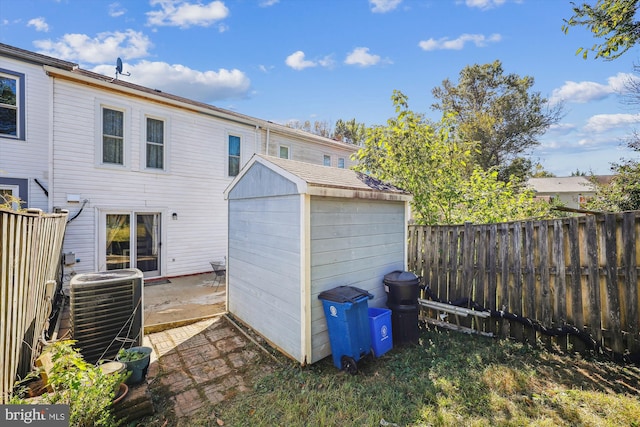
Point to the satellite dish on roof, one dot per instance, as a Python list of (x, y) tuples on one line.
[(119, 69)]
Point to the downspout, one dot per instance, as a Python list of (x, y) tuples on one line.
[(50, 154), (266, 149), (256, 147)]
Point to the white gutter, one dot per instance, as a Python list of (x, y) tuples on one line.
[(141, 94)]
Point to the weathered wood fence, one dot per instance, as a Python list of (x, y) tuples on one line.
[(580, 271), (30, 247)]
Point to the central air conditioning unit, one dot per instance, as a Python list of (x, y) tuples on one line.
[(106, 312)]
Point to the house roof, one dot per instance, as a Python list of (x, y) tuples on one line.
[(327, 181), (71, 71), (557, 185), (35, 58)]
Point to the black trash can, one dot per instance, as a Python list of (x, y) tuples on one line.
[(402, 288), (403, 291)]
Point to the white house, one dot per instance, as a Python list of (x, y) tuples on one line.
[(572, 191), (141, 172)]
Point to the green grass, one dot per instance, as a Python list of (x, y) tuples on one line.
[(450, 379)]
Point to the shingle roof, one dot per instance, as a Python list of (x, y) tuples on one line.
[(325, 176), (36, 58)]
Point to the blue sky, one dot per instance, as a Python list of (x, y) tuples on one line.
[(325, 60)]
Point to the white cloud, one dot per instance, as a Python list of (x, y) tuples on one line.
[(484, 4), (580, 93), (361, 56), (383, 6), (297, 62), (604, 122), (267, 3), (39, 24), (444, 43), (104, 48), (204, 86), (583, 92), (327, 61), (116, 10), (561, 128), (183, 14)]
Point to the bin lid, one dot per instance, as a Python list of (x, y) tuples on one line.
[(344, 294), (401, 276)]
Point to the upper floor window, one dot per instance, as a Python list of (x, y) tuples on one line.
[(155, 143), (234, 155), (284, 152), (112, 136), (341, 162), (11, 104), (326, 160)]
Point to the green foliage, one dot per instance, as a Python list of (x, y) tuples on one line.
[(540, 172), (614, 21), (428, 160), (125, 355), (350, 131), (499, 112), (622, 193), (83, 386)]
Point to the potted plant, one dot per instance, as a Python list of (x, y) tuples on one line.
[(137, 361)]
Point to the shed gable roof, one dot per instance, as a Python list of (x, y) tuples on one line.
[(326, 181)]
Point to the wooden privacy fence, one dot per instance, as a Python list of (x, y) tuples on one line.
[(580, 271), (30, 248)]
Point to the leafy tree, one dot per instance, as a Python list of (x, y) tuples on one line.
[(612, 20), (428, 160), (350, 131), (322, 128), (623, 192), (497, 111), (540, 172)]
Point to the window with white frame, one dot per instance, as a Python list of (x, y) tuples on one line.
[(10, 196), (234, 155), (112, 136), (341, 162), (283, 152), (155, 143), (326, 160), (11, 104)]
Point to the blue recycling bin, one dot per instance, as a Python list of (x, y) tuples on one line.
[(346, 311), (380, 329)]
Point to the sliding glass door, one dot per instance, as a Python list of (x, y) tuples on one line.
[(133, 240)]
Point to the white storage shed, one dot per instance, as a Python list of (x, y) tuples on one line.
[(297, 229)]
